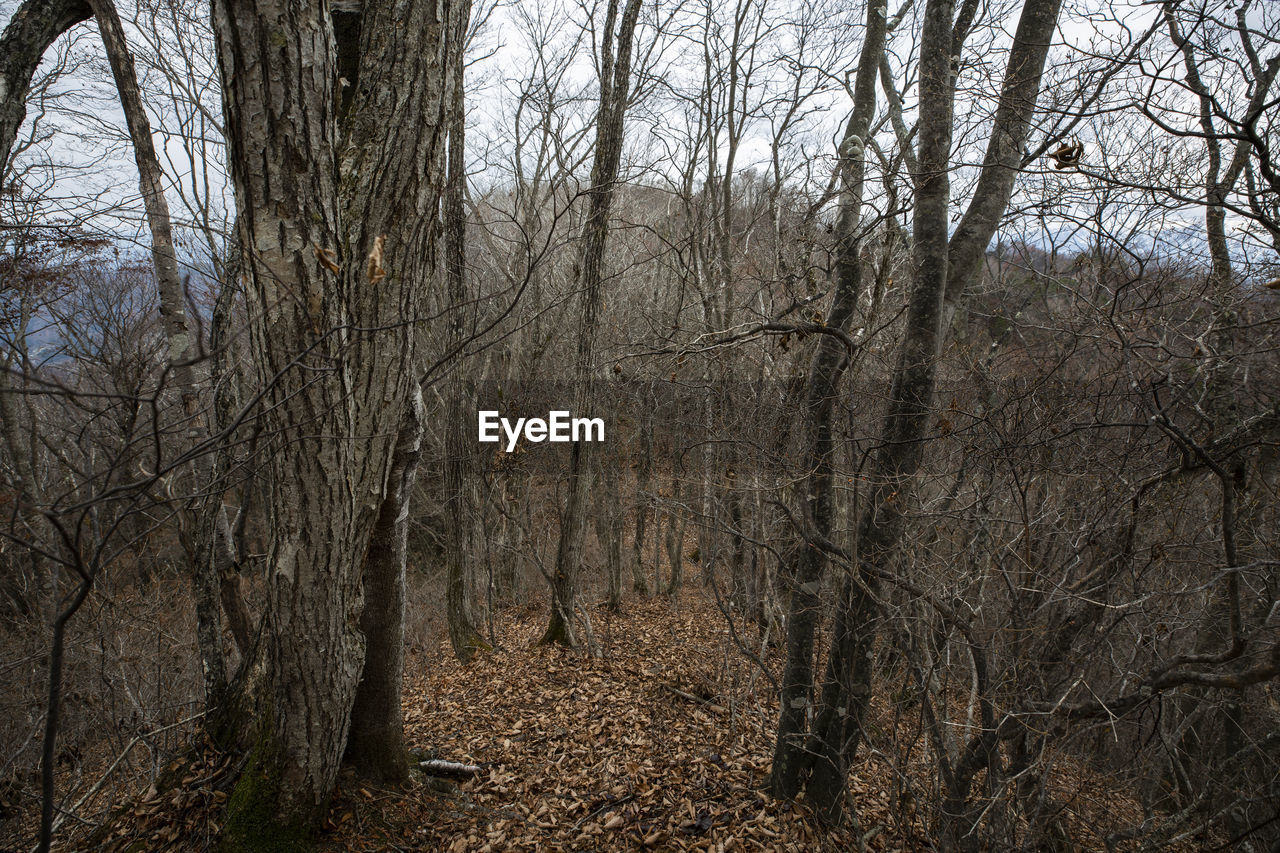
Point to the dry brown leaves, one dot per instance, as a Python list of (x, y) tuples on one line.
[(182, 814), (663, 743), (592, 754)]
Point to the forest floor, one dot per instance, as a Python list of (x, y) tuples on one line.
[(662, 742)]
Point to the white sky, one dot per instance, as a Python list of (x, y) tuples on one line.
[(85, 173)]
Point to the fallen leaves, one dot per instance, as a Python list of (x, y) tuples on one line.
[(663, 743), (660, 744)]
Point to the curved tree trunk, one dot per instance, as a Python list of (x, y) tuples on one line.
[(32, 30)]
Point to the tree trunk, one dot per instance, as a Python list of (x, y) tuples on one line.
[(944, 269), (615, 88), (375, 745), (32, 30), (674, 542), (463, 635), (609, 529), (791, 759), (183, 348), (338, 255), (644, 476)]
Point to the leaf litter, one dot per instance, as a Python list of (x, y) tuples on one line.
[(663, 742)]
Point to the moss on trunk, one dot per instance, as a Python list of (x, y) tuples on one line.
[(253, 824)]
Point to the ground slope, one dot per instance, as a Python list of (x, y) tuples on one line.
[(662, 742)]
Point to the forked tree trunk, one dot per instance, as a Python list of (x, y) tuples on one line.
[(791, 759), (338, 251), (944, 269)]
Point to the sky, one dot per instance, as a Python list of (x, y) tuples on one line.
[(82, 172)]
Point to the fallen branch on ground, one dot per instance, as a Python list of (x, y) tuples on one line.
[(707, 702), (436, 767)]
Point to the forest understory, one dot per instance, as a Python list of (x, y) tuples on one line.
[(938, 336), (662, 742)]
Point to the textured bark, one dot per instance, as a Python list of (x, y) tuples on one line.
[(375, 745), (395, 126), (220, 543), (615, 86), (338, 257), (278, 92), (32, 30)]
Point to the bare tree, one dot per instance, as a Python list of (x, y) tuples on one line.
[(615, 90), (944, 267)]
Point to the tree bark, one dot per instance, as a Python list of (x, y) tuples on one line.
[(463, 635), (791, 759), (182, 350), (282, 149), (644, 476), (609, 524), (944, 268), (338, 253), (32, 30), (375, 745)]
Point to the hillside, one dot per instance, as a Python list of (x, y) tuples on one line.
[(661, 743)]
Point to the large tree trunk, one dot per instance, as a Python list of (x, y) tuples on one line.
[(282, 150), (615, 87), (338, 257)]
